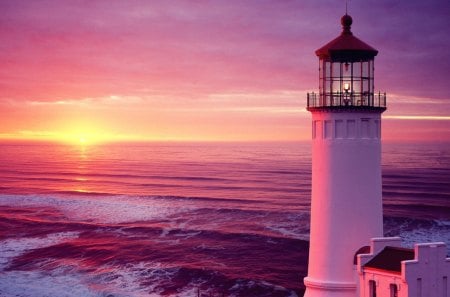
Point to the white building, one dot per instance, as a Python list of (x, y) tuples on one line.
[(392, 271), (346, 202)]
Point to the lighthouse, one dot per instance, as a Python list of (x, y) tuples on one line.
[(346, 203)]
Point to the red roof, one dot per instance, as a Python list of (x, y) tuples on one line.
[(390, 259), (346, 47)]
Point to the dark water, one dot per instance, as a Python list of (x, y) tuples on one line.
[(178, 219)]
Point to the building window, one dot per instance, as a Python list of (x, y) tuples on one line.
[(394, 290), (372, 288)]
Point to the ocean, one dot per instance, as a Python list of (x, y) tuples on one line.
[(185, 219)]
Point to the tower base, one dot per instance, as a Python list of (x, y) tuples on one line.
[(322, 288)]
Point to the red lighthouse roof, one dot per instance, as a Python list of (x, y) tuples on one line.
[(346, 47)]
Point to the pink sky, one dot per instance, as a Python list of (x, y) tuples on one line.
[(209, 70)]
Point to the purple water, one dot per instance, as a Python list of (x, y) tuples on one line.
[(185, 219)]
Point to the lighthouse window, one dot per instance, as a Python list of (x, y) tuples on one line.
[(339, 129), (372, 288), (377, 129), (365, 128), (351, 129), (394, 290), (328, 132)]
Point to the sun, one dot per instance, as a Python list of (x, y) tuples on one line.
[(86, 140)]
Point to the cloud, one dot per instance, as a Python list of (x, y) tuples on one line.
[(418, 117), (89, 102)]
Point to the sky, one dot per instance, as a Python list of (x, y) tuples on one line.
[(220, 70)]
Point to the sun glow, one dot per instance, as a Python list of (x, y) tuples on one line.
[(86, 138), (73, 137), (82, 139)]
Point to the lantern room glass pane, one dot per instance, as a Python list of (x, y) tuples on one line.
[(356, 69), (321, 66), (327, 87), (327, 72), (365, 69), (346, 69), (336, 85), (371, 69), (321, 75), (336, 69), (365, 88), (356, 86)]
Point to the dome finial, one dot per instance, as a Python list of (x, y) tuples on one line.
[(346, 22)]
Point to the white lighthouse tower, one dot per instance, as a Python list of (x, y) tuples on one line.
[(346, 207)]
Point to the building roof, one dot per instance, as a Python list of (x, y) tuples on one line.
[(346, 47), (390, 259)]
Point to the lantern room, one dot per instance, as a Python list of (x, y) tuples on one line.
[(346, 74)]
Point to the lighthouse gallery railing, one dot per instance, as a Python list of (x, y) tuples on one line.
[(343, 99)]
